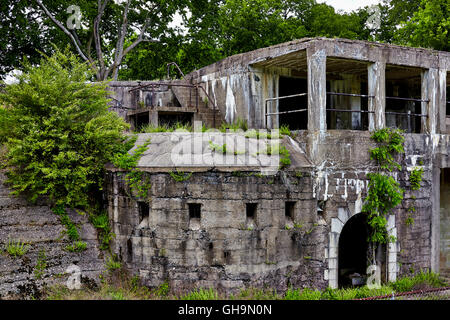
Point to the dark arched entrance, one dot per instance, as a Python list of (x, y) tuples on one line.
[(353, 247)]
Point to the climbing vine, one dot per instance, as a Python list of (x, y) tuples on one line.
[(384, 193), (136, 179), (180, 176)]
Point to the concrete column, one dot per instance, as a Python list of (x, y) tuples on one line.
[(377, 88), (153, 118), (317, 86), (435, 216), (430, 85), (442, 107)]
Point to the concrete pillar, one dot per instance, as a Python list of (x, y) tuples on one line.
[(377, 88), (317, 86), (430, 85), (355, 102), (153, 118), (442, 107), (435, 216)]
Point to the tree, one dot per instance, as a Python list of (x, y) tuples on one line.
[(60, 132), (114, 39), (429, 26)]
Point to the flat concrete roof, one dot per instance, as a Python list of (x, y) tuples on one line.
[(199, 152), (282, 54)]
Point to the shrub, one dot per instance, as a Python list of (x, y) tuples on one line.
[(60, 132)]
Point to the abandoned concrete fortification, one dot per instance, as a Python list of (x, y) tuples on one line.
[(227, 226)]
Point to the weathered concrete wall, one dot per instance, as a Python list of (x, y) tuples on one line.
[(444, 257), (220, 251), (41, 229)]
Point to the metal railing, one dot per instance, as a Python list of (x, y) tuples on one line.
[(196, 86), (415, 293), (266, 114), (176, 65)]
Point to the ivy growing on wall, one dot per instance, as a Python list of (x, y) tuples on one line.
[(136, 179), (384, 193)]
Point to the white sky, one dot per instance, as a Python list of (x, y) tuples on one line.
[(349, 5)]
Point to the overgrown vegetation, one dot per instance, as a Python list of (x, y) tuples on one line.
[(124, 288), (59, 135), (101, 223), (16, 248), (415, 178), (180, 176), (138, 181), (41, 264), (384, 193), (178, 127)]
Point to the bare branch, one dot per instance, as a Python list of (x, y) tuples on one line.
[(64, 29), (97, 38), (120, 41), (118, 60)]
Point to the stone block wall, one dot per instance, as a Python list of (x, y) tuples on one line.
[(38, 227), (227, 250)]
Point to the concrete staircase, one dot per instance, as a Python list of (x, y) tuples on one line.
[(192, 98)]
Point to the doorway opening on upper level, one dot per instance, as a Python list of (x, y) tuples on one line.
[(447, 104), (293, 108), (347, 94), (404, 98)]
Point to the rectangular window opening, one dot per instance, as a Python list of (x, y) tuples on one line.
[(250, 209), (171, 119), (403, 83), (347, 95), (289, 210), (144, 210), (194, 210), (295, 87)]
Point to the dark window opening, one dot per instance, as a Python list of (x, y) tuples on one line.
[(347, 89), (444, 217), (144, 210), (403, 83), (447, 105), (292, 86), (141, 120), (251, 210), (172, 119), (289, 210), (227, 257), (353, 251), (194, 210)]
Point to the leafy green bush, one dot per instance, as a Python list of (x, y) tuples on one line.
[(60, 132)]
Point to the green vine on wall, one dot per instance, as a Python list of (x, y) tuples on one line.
[(384, 193), (180, 176), (135, 178)]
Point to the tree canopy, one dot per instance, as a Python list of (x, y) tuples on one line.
[(135, 39)]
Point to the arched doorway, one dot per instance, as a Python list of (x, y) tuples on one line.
[(352, 252), (389, 268)]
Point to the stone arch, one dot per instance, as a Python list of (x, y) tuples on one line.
[(344, 214)]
